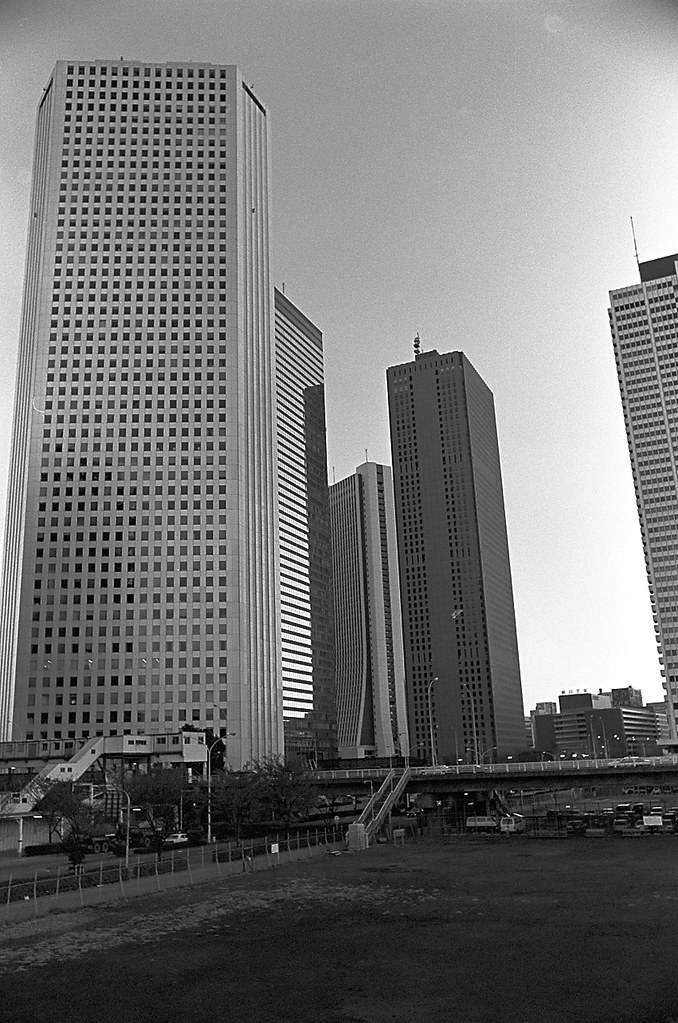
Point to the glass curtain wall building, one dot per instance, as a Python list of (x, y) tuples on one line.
[(644, 325), (140, 581), (305, 552), (461, 652)]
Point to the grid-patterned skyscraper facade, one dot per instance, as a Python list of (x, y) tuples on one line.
[(305, 553), (140, 581), (371, 703), (644, 324), (461, 652)]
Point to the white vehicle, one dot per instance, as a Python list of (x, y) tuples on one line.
[(177, 838), (513, 825), (481, 823)]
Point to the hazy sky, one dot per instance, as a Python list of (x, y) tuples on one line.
[(465, 169)]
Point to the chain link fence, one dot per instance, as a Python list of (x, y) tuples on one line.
[(26, 895)]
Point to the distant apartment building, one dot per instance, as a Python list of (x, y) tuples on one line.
[(140, 587), (370, 671), (544, 707), (590, 725), (644, 325), (658, 708), (626, 697), (306, 604), (461, 652)]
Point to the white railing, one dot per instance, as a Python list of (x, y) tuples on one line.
[(499, 770)]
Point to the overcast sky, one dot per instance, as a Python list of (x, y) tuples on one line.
[(465, 169)]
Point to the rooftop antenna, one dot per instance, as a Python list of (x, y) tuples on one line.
[(635, 246), (417, 346), (366, 458)]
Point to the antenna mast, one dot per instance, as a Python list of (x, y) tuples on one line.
[(635, 246), (417, 346)]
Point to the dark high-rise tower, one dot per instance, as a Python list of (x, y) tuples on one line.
[(644, 324), (140, 580), (371, 705), (461, 653)]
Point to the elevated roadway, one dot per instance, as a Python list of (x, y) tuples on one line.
[(649, 773)]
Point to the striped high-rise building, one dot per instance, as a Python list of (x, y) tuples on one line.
[(371, 705), (140, 580), (461, 652), (644, 324), (305, 551)]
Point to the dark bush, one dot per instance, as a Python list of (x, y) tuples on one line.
[(41, 850)]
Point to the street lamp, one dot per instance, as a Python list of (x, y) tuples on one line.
[(434, 752), (222, 738), (129, 813), (488, 752), (466, 685)]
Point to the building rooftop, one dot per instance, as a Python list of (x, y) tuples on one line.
[(653, 269)]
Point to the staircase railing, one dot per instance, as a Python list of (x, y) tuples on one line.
[(382, 801)]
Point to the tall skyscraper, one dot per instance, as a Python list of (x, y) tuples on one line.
[(140, 580), (461, 653), (644, 324), (371, 707), (305, 552)]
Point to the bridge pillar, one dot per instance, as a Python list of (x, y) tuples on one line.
[(357, 837)]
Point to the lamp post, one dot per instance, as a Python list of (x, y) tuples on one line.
[(129, 814), (466, 685), (434, 752), (222, 738), (487, 752)]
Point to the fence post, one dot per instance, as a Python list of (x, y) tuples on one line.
[(82, 903), (216, 856), (9, 889), (188, 865), (35, 892), (56, 894), (157, 875), (172, 859), (122, 887)]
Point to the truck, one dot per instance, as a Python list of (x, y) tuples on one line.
[(512, 824), (103, 840)]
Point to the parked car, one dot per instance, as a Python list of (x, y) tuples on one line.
[(177, 838)]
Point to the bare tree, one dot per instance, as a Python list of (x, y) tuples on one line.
[(74, 820), (286, 788)]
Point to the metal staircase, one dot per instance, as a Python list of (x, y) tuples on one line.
[(16, 803), (380, 804)]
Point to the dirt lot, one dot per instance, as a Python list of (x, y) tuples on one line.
[(515, 931)]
